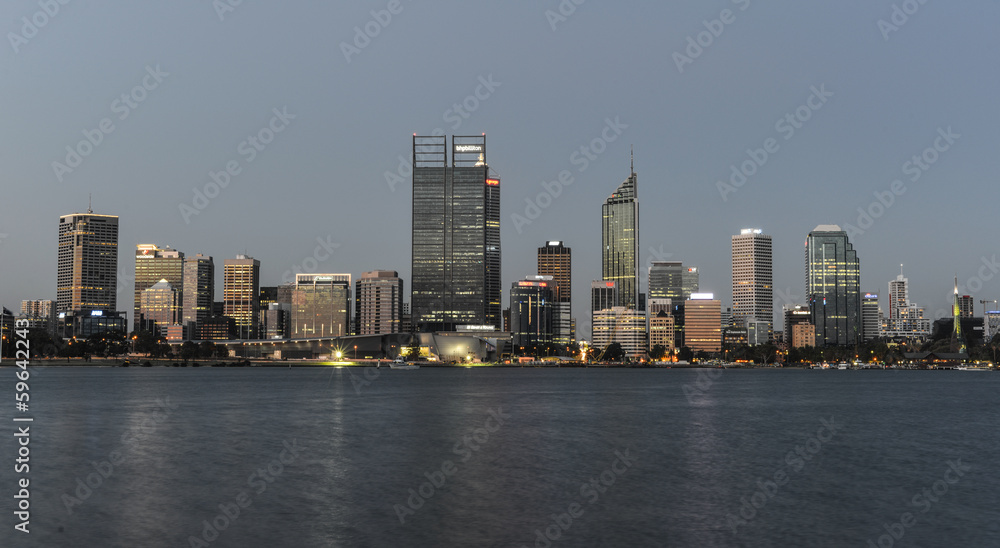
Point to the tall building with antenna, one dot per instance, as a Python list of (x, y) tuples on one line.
[(620, 240), (87, 264)]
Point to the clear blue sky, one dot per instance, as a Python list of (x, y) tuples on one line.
[(323, 176)]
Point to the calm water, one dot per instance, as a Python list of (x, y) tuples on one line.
[(593, 457)]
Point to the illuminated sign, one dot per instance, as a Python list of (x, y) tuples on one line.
[(751, 231), (702, 296), (468, 148), (609, 284), (493, 182), (871, 295), (96, 312), (555, 243), (532, 284)]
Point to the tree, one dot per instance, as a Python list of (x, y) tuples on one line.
[(206, 349), (685, 354), (614, 352), (188, 350), (658, 352)]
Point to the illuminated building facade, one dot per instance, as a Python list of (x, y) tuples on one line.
[(555, 259), (321, 305), (672, 280), (87, 275), (379, 302), (753, 288), (620, 241), (153, 264), (531, 312), (198, 289), (455, 235), (833, 286), (703, 323), (158, 304), (241, 294)]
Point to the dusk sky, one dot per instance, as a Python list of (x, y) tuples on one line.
[(605, 76)]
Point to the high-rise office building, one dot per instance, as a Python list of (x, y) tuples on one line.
[(603, 295), (198, 289), (796, 314), (703, 323), (620, 241), (871, 322), (87, 276), (753, 288), (153, 264), (672, 280), (158, 306), (621, 325), (379, 302), (661, 330), (803, 334), (241, 294), (555, 260), (531, 301), (321, 305), (455, 235), (833, 286)]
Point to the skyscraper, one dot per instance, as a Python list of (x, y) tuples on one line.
[(87, 276), (703, 323), (153, 264), (898, 294), (455, 235), (603, 295), (620, 241), (198, 289), (379, 302), (672, 280), (241, 294), (531, 301), (796, 314), (833, 286), (158, 306), (753, 288), (871, 323), (555, 260), (321, 305)]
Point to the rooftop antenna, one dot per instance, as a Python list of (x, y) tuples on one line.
[(90, 203), (631, 155)]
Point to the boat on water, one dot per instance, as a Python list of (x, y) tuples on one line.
[(400, 363), (843, 366), (820, 366), (973, 368)]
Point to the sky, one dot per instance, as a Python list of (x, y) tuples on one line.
[(312, 107)]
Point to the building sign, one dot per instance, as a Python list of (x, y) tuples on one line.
[(469, 148)]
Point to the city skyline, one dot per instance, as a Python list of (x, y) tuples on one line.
[(837, 167)]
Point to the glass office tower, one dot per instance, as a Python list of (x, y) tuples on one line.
[(620, 241), (672, 280), (456, 235), (833, 286)]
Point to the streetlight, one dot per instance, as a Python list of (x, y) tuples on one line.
[(355, 352)]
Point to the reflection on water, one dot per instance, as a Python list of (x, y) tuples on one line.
[(504, 457)]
